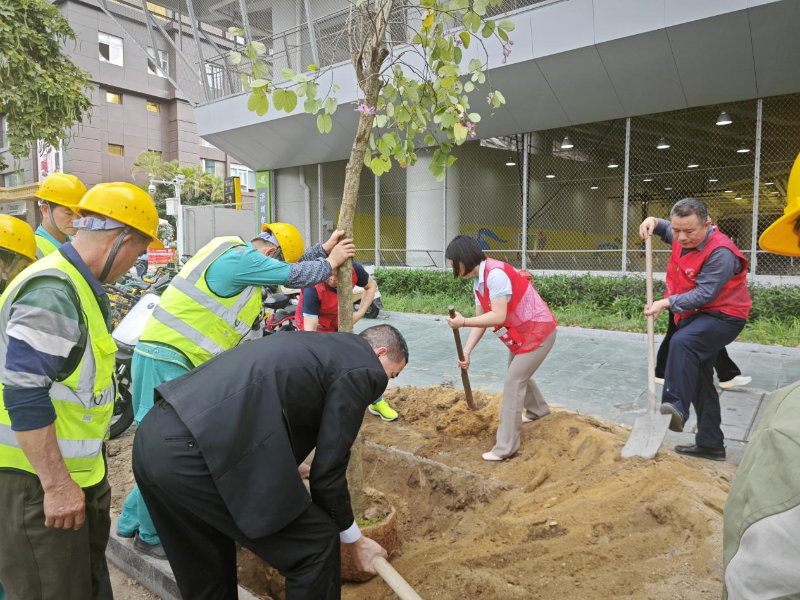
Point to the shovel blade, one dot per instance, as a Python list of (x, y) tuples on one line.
[(647, 436)]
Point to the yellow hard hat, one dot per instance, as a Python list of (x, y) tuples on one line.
[(290, 240), (126, 203), (17, 236), (783, 237), (61, 188)]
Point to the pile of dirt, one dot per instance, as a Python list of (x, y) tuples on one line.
[(566, 517)]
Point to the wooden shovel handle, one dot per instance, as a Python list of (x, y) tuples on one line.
[(395, 581), (460, 350)]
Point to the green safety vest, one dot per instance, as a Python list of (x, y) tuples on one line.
[(84, 401), (44, 247), (195, 320)]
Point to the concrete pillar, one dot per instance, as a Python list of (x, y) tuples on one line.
[(425, 233)]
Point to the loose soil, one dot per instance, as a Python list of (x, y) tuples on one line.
[(566, 517)]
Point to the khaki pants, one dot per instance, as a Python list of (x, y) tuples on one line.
[(42, 563), (520, 392)]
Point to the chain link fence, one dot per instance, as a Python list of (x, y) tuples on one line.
[(575, 217)]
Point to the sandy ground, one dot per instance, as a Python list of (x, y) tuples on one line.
[(566, 517), (126, 588)]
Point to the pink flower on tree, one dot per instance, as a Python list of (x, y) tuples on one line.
[(363, 108), (507, 50)]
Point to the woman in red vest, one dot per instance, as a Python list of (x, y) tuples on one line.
[(509, 304), (708, 299)]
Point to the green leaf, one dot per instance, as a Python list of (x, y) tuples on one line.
[(488, 29), (290, 101), (245, 81), (331, 105), (259, 103), (301, 90), (258, 83), (260, 70), (460, 133), (497, 99), (367, 158), (336, 87), (429, 140), (382, 147), (503, 35), (259, 47), (479, 6), (324, 123), (311, 89), (377, 166), (466, 38), (380, 120), (278, 98), (300, 78), (313, 68), (448, 82), (507, 25), (236, 31), (390, 139), (450, 160), (469, 86), (474, 117), (312, 106), (236, 57), (475, 65), (287, 73), (458, 5), (457, 55)]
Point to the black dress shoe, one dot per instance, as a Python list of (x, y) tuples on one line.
[(676, 424), (156, 551), (702, 452)]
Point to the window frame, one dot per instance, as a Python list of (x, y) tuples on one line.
[(108, 42), (120, 146), (117, 94), (154, 103)]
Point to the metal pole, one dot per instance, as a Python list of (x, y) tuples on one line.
[(526, 139), (377, 222), (273, 196), (245, 20), (444, 219), (203, 77), (311, 33), (625, 196), (320, 213), (179, 216), (756, 182)]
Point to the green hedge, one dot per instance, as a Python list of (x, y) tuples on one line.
[(623, 296)]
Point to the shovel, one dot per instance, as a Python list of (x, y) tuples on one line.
[(464, 374), (650, 430)]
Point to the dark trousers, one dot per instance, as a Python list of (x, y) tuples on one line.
[(199, 534), (43, 563), (725, 367), (689, 378)]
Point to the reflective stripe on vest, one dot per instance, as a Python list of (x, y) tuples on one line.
[(193, 319), (44, 247), (83, 401)]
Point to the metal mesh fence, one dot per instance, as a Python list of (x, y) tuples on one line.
[(780, 144), (686, 154)]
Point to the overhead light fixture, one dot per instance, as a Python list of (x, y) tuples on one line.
[(550, 176), (647, 179), (724, 119), (774, 193), (594, 187), (738, 197), (743, 150), (566, 143), (713, 180), (667, 189), (728, 191), (510, 162), (693, 164), (612, 164), (769, 183), (662, 144)]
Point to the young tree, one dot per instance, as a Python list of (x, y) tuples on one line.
[(415, 93), (42, 94)]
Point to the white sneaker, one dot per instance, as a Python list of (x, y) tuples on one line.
[(735, 382), (659, 380)]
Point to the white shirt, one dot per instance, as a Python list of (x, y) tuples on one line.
[(498, 282)]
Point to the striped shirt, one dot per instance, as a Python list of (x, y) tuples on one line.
[(47, 335)]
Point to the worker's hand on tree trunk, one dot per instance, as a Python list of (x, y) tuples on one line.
[(64, 506), (655, 309), (647, 227), (341, 252), (365, 552), (333, 240)]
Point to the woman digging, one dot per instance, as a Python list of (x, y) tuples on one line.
[(509, 304)]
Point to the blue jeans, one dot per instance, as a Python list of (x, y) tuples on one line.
[(152, 365), (689, 376)]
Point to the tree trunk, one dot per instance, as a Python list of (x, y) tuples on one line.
[(369, 83)]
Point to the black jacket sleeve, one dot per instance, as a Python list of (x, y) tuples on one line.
[(345, 403)]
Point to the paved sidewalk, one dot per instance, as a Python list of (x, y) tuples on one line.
[(602, 373)]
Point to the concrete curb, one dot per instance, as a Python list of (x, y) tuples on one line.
[(637, 337), (153, 574)]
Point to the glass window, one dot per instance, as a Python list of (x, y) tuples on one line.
[(153, 106), (214, 167), (3, 132), (113, 98), (110, 48), (206, 144), (14, 179), (116, 150), (214, 76), (247, 177), (156, 9), (158, 64)]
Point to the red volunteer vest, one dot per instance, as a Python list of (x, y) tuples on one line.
[(528, 319), (328, 308), (733, 299)]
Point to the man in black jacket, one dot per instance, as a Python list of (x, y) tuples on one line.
[(217, 459)]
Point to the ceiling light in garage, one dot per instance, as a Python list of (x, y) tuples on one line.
[(566, 143), (612, 164), (647, 179), (594, 187), (769, 183), (550, 176), (728, 191), (511, 162), (738, 197), (662, 144), (724, 119), (713, 180), (743, 150), (667, 189), (693, 164)]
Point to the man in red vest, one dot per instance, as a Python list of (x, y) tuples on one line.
[(318, 310), (708, 299)]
